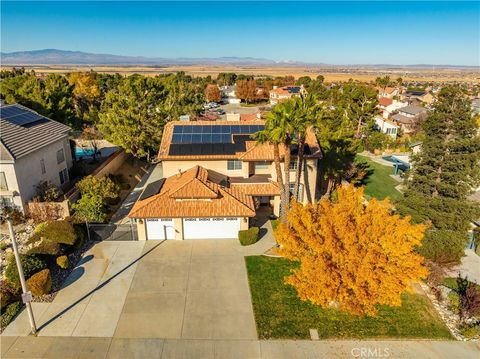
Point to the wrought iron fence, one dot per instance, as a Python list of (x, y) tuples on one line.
[(112, 232)]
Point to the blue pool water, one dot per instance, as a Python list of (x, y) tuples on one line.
[(82, 152)]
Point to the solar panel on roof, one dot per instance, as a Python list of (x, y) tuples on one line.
[(18, 115)]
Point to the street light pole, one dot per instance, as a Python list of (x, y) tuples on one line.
[(26, 296)]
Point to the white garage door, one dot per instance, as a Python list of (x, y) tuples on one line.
[(206, 228), (159, 228)]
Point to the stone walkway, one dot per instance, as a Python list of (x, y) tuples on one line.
[(98, 348)]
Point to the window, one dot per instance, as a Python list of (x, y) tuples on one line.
[(391, 131), (262, 165), (63, 176), (234, 165), (293, 165), (42, 165), (300, 191), (60, 156), (3, 181)]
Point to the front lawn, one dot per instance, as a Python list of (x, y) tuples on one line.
[(280, 314), (379, 184)]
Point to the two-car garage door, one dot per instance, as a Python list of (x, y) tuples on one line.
[(206, 228)]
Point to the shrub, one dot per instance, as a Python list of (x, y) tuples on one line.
[(44, 246), (3, 245), (274, 223), (7, 293), (40, 283), (30, 263), (57, 231), (15, 214), (454, 302), (443, 247), (9, 313), (470, 331), (47, 191), (62, 262), (248, 236), (470, 301)]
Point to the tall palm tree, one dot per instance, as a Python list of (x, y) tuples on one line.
[(279, 132), (306, 112)]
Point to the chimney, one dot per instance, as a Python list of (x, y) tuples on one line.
[(179, 174)]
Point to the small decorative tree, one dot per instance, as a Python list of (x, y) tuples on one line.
[(353, 255), (94, 192)]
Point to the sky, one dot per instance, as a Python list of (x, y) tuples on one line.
[(340, 33)]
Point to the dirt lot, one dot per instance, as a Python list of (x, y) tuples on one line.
[(331, 74)]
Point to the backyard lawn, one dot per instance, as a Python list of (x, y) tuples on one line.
[(379, 184), (280, 314)]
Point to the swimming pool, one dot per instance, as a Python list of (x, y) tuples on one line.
[(398, 164), (83, 152)]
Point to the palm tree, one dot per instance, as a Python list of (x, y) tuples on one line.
[(306, 112), (279, 131)]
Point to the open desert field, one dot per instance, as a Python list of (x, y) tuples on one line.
[(331, 73)]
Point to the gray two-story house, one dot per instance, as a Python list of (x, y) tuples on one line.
[(33, 149)]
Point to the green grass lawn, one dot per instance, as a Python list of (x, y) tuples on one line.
[(379, 184), (280, 314)]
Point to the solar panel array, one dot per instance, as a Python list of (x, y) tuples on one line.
[(18, 115), (204, 134)]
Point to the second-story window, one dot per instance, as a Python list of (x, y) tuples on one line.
[(234, 165), (262, 165), (3, 181), (60, 156), (42, 166)]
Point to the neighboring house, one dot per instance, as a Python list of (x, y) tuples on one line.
[(411, 111), (407, 124), (279, 94), (228, 94), (394, 106), (33, 148), (388, 92), (386, 126), (216, 177), (414, 97), (384, 102)]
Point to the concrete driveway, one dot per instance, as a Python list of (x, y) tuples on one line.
[(189, 289), (171, 289)]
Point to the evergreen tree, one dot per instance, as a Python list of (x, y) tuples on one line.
[(446, 171)]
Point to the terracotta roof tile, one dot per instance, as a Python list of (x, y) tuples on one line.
[(193, 194)]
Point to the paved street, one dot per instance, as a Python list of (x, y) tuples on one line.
[(98, 348)]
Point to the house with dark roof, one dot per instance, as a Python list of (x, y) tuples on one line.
[(216, 178), (33, 149)]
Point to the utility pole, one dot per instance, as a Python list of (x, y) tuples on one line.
[(26, 295)]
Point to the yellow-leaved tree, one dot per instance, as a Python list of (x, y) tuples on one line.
[(353, 255)]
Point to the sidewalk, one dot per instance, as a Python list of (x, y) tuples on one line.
[(70, 347)]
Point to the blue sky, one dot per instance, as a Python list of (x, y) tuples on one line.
[(329, 32)]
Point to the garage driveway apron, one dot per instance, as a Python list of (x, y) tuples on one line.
[(189, 289), (194, 289)]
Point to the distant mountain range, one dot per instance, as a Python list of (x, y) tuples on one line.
[(62, 57)]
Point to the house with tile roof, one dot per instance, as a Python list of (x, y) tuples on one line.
[(279, 94), (33, 148), (216, 177)]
